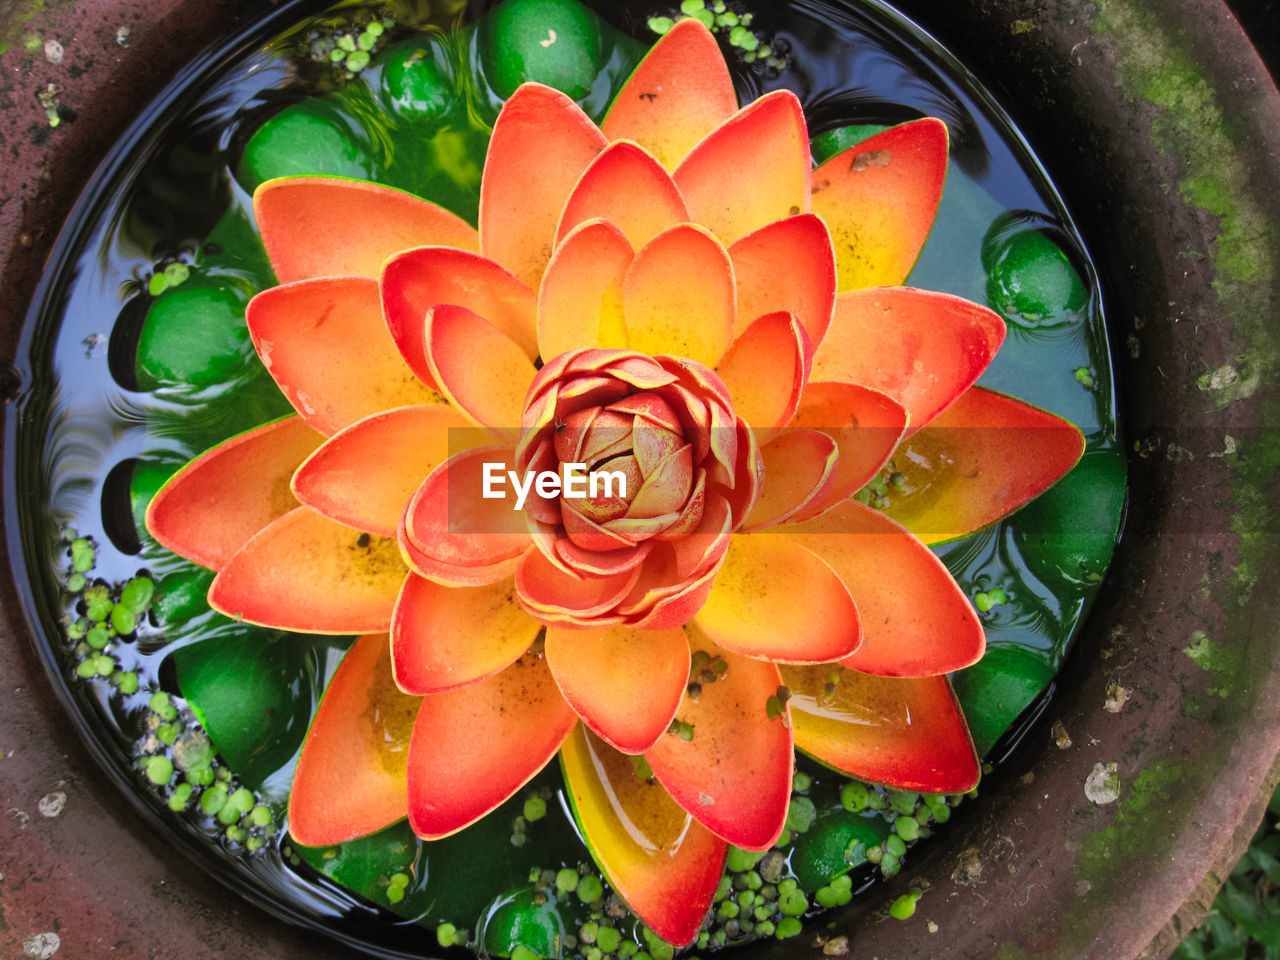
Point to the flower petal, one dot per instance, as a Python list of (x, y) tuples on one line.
[(679, 93), (350, 778), (983, 458), (307, 573), (866, 426), (799, 468), (541, 144), (211, 507), (333, 227), (753, 169), (446, 637), (552, 595), (629, 188), (679, 296), (917, 622), (479, 368), (766, 370), (488, 738), (734, 776), (453, 575), (416, 281), (451, 520), (642, 841), (364, 475), (325, 343), (905, 734), (787, 265), (775, 599), (879, 199), (624, 683), (922, 348), (580, 301)]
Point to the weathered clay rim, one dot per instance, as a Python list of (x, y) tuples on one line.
[(1095, 135)]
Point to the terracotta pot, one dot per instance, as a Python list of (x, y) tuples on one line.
[(1162, 128)]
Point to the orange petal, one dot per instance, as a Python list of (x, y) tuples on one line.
[(766, 370), (679, 296), (916, 620), (487, 739), (626, 186), (787, 265), (580, 301), (541, 144), (350, 778), (479, 368), (734, 776), (866, 426), (642, 841), (554, 596), (879, 199), (922, 348), (446, 637), (775, 599), (364, 475), (979, 461), (307, 573), (332, 227), (751, 170), (679, 93), (416, 281), (325, 343), (210, 508), (624, 683), (905, 734), (451, 520), (453, 575), (799, 468)]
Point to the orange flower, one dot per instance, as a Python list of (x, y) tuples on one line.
[(678, 298)]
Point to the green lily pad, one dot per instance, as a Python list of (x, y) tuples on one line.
[(1069, 533), (414, 81), (555, 42), (251, 689), (1031, 281), (996, 689), (194, 336), (310, 137), (182, 595), (835, 844), (364, 865), (525, 918)]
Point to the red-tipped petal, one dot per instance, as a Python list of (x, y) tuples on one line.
[(331, 227), (643, 842), (479, 368), (624, 683), (979, 461), (679, 93), (922, 348), (211, 507), (787, 265), (553, 595), (580, 301), (350, 778), (799, 468), (751, 170), (307, 573), (629, 188), (879, 199), (541, 144), (364, 475), (775, 599), (325, 343), (417, 281), (474, 747), (905, 734), (447, 637), (916, 620), (866, 426), (679, 296), (453, 575), (451, 520), (766, 369), (734, 775)]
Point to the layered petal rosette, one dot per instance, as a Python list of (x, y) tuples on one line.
[(678, 305)]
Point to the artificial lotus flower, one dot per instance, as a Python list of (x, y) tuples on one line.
[(679, 297)]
